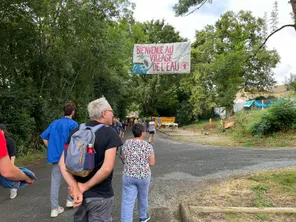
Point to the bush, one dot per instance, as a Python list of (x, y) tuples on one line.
[(244, 122), (184, 114), (280, 116)]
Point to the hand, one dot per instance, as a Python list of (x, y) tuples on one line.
[(77, 196), (29, 181)]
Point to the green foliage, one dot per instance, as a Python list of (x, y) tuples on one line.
[(223, 62), (244, 121), (183, 6), (260, 191), (184, 114), (281, 116), (30, 157), (274, 17), (262, 217), (286, 180), (53, 52), (259, 188), (290, 82)]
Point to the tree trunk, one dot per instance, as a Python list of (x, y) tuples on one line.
[(293, 3)]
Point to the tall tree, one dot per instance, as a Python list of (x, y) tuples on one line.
[(183, 8), (223, 61), (56, 51), (265, 27), (274, 17)]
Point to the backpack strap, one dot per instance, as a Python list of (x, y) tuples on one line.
[(95, 128), (82, 126)]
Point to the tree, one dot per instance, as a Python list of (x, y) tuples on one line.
[(274, 17), (58, 51), (223, 62), (290, 82), (183, 6)]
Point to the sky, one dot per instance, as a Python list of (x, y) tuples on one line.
[(283, 41)]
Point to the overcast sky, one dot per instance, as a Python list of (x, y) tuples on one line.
[(284, 41)]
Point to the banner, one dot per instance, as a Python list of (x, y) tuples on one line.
[(171, 58), (160, 120)]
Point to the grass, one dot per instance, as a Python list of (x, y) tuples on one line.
[(260, 191), (30, 158), (262, 217), (240, 134), (204, 125), (273, 188), (285, 180), (281, 139)]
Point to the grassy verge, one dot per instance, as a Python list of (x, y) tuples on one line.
[(274, 188), (281, 139), (30, 158), (239, 135)]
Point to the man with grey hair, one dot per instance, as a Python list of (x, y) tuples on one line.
[(94, 193)]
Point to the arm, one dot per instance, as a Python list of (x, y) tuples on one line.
[(123, 148), (67, 176), (152, 160), (122, 156), (11, 172), (73, 185), (11, 148), (46, 134), (103, 172), (12, 159), (45, 142)]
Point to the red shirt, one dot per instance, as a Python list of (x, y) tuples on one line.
[(3, 149)]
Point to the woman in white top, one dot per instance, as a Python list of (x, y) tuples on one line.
[(151, 130)]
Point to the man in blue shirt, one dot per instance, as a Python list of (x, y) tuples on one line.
[(55, 137)]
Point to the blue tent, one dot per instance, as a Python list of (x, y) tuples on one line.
[(249, 103), (258, 104)]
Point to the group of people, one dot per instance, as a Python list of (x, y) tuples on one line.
[(93, 194)]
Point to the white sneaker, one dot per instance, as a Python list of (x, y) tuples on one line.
[(56, 212), (69, 203), (13, 193)]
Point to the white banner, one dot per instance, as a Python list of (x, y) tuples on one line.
[(171, 58)]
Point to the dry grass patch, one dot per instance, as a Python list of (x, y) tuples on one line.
[(276, 188), (214, 140)]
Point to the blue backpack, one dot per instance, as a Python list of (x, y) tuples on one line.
[(78, 161)]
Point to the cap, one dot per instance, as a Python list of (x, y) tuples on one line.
[(2, 127)]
